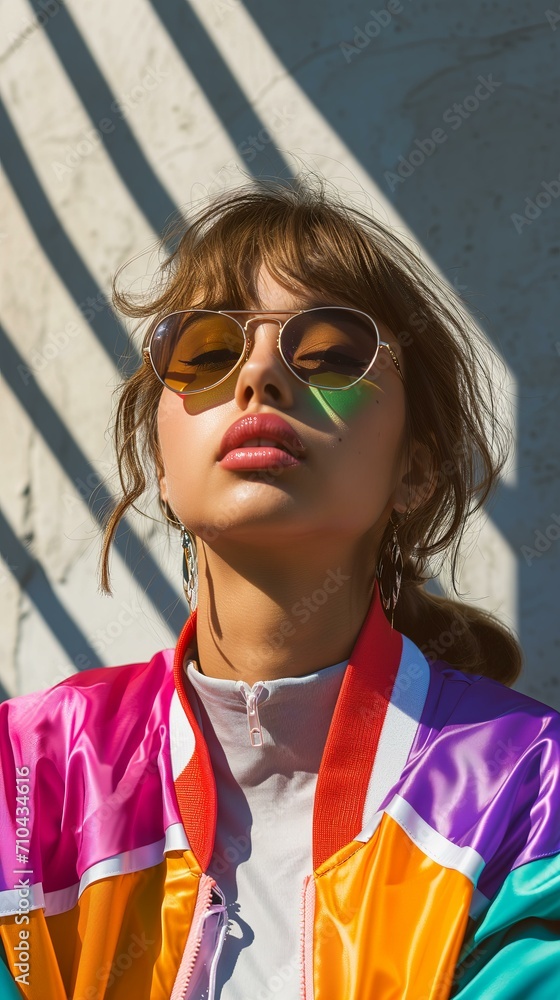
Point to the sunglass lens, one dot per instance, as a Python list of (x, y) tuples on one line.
[(330, 348), (195, 350)]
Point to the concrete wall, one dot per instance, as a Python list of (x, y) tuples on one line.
[(113, 116)]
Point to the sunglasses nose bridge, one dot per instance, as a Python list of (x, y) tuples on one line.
[(249, 333)]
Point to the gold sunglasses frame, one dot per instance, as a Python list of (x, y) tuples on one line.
[(147, 351)]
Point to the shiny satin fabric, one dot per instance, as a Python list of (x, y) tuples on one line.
[(125, 938), (8, 988), (484, 770), (389, 921), (513, 950), (100, 784)]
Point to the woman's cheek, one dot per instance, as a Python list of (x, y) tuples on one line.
[(176, 438), (346, 403)]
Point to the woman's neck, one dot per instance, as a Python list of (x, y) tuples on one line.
[(284, 616)]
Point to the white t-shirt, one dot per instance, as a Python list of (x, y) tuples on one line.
[(266, 789)]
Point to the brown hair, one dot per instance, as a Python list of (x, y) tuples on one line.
[(313, 241)]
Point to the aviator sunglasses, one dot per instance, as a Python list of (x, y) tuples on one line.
[(325, 347)]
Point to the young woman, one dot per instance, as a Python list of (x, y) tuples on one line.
[(303, 799)]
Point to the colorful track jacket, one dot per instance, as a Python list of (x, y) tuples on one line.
[(436, 837)]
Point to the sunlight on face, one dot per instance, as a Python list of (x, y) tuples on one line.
[(345, 404), (354, 439)]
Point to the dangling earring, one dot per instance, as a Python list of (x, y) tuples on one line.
[(389, 572), (190, 568), (190, 561)]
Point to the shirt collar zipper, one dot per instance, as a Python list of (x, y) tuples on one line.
[(254, 723)]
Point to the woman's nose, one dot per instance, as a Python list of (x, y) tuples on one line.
[(251, 333), (263, 371)]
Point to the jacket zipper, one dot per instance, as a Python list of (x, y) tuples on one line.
[(205, 909), (307, 908), (254, 723)]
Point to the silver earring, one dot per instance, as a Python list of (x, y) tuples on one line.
[(190, 567), (190, 561), (389, 572)]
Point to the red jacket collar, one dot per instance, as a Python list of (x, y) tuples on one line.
[(349, 751)]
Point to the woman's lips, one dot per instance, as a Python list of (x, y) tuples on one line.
[(260, 441), (252, 456), (261, 429)]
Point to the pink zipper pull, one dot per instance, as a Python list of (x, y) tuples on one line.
[(196, 976), (253, 721)]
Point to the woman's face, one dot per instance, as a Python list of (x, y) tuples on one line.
[(347, 483)]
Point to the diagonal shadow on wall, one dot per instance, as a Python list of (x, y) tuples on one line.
[(60, 251), (32, 578), (221, 89), (101, 104), (58, 438)]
